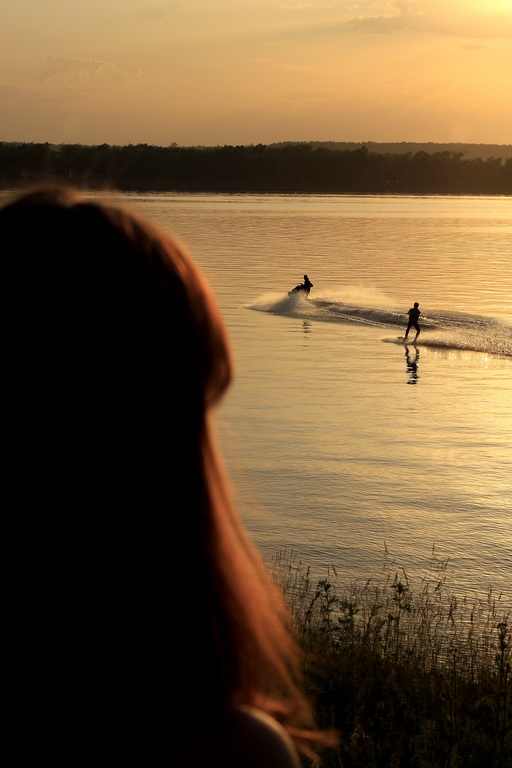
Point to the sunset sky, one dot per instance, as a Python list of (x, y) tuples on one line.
[(217, 72)]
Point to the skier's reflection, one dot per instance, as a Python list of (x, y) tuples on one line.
[(412, 364)]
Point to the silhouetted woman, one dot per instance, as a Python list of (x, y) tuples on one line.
[(146, 629)]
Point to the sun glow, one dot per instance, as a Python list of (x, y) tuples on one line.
[(231, 73)]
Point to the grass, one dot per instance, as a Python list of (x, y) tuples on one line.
[(411, 676)]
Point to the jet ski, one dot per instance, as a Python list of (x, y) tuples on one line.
[(305, 287)]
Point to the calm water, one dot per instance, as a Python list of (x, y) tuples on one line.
[(339, 440)]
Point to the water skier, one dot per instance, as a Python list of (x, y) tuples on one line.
[(414, 316)]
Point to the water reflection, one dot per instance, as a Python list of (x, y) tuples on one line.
[(307, 327), (412, 364)]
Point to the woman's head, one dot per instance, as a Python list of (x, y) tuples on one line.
[(117, 354), (92, 281), (132, 554)]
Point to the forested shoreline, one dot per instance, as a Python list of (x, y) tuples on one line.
[(275, 168)]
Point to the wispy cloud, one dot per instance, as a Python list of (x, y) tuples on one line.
[(408, 16), (85, 71), (434, 17)]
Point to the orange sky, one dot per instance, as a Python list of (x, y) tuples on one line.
[(255, 71)]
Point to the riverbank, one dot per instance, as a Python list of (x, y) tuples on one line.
[(408, 674)]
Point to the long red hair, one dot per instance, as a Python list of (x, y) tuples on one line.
[(119, 354)]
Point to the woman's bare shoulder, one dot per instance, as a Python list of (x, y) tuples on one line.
[(239, 736)]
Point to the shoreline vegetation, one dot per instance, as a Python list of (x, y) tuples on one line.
[(409, 675), (295, 167)]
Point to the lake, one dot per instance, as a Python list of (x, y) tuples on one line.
[(341, 442)]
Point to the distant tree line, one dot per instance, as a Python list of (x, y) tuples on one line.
[(255, 168), (483, 151)]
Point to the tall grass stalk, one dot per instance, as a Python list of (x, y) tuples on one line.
[(410, 675)]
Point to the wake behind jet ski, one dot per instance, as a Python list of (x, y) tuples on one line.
[(305, 287)]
